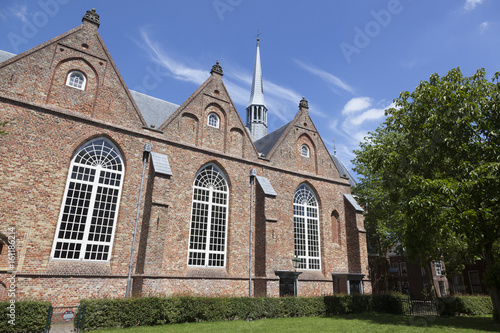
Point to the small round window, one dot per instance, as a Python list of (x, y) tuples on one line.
[(304, 151), (76, 80), (213, 120)]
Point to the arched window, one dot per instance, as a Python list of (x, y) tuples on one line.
[(213, 120), (76, 80), (304, 150), (208, 231), (87, 220), (306, 228)]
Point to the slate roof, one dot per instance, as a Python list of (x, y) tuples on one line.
[(266, 186), (353, 202), (344, 172), (266, 143), (160, 164), (5, 55), (154, 110)]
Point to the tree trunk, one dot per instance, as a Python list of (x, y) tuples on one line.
[(492, 286)]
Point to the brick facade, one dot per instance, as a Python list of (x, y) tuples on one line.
[(48, 122)]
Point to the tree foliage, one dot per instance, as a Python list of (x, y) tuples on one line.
[(431, 171)]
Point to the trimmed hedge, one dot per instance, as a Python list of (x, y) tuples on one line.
[(150, 311), (30, 316), (466, 305)]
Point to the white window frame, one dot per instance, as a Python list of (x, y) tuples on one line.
[(305, 200), (213, 115), (70, 84), (196, 202), (102, 168), (304, 150), (438, 266)]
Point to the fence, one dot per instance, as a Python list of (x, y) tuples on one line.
[(65, 319)]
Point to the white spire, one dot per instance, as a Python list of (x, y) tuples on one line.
[(257, 95)]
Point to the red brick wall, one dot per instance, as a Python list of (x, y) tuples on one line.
[(45, 134)]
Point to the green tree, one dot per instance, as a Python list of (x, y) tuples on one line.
[(431, 173)]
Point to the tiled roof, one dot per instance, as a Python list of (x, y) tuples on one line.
[(5, 55), (266, 143), (154, 110), (344, 172)]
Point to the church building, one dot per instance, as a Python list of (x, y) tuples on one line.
[(108, 192)]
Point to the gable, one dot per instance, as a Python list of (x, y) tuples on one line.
[(225, 133), (40, 76), (285, 147)]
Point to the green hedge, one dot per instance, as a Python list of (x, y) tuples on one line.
[(113, 313), (465, 305), (150, 311), (30, 316)]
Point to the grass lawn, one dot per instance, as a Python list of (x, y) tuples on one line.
[(367, 322)]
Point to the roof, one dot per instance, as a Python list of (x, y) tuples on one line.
[(266, 186), (344, 172), (154, 110), (160, 164), (353, 202), (257, 95), (266, 143), (5, 55)]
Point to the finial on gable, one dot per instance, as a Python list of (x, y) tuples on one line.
[(303, 103), (92, 17), (216, 69)]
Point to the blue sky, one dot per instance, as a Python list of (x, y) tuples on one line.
[(350, 59)]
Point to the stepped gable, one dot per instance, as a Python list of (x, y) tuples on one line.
[(40, 76), (224, 132), (284, 146)]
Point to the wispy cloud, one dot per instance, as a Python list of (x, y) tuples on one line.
[(177, 69), (327, 77), (282, 102), (20, 12), (360, 117), (484, 26), (471, 4)]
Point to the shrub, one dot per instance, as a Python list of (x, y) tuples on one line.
[(30, 316), (465, 305)]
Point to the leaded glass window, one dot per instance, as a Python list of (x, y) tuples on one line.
[(304, 151), (208, 231), (306, 228), (213, 120), (87, 219), (76, 80)]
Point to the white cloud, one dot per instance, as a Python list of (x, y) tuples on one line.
[(176, 69), (356, 104), (471, 4), (329, 78), (20, 12), (282, 102), (357, 124), (371, 114), (484, 26)]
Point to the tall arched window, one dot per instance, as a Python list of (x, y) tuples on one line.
[(208, 232), (87, 220), (306, 228)]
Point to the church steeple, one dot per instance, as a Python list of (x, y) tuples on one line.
[(257, 109)]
